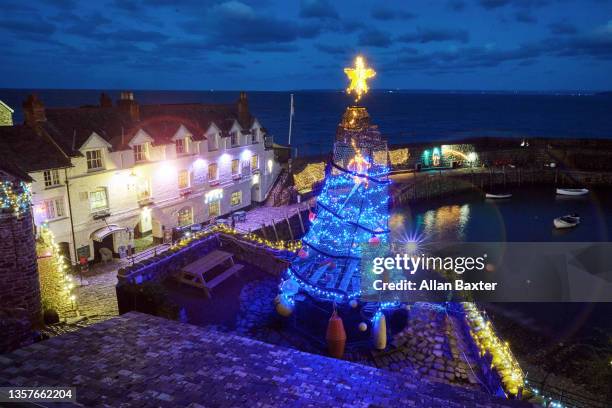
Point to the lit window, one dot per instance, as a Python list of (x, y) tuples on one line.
[(94, 159), (183, 179), (140, 152), (214, 208), (236, 198), (98, 199), (54, 208), (180, 146), (51, 178), (235, 166), (254, 162), (212, 171), (185, 216), (144, 189)]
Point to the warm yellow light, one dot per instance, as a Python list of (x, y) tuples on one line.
[(358, 77)]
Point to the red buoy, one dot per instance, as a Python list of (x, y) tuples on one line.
[(336, 336)]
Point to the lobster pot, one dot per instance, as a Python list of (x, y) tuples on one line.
[(379, 332), (336, 336)]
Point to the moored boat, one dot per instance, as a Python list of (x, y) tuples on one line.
[(567, 221), (498, 196), (572, 191)]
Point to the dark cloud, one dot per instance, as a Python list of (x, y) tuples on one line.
[(435, 35), (494, 4), (317, 9), (237, 25), (331, 49), (524, 16), (350, 26), (31, 27), (563, 28), (384, 13), (456, 5), (373, 37)]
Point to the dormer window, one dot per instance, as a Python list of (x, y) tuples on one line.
[(255, 136), (94, 160), (141, 153), (213, 142), (234, 138), (52, 178), (181, 146)]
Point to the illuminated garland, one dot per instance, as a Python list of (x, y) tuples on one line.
[(487, 341), (15, 197), (291, 246)]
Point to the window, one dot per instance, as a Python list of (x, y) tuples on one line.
[(98, 200), (183, 179), (181, 146), (235, 166), (94, 159), (236, 198), (246, 168), (143, 191), (51, 178), (185, 216), (234, 136), (213, 142), (212, 171), (214, 208), (254, 135), (140, 152), (54, 208), (254, 162)]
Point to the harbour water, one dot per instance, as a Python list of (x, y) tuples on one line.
[(402, 116)]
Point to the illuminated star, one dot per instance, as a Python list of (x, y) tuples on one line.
[(358, 77)]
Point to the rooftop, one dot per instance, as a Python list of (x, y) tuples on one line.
[(146, 361)]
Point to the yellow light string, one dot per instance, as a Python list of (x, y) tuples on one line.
[(487, 341), (291, 246)]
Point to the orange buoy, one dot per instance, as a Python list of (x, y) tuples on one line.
[(336, 336)]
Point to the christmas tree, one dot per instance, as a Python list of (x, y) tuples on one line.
[(352, 209)]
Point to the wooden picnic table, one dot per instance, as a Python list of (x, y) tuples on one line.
[(195, 274)]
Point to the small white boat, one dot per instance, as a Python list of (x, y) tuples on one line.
[(567, 221), (572, 191), (498, 196)]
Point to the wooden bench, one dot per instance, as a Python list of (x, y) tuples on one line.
[(223, 276)]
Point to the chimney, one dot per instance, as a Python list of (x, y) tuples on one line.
[(128, 105), (34, 110), (243, 110), (105, 101)]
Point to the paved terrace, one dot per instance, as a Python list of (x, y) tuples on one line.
[(145, 361)]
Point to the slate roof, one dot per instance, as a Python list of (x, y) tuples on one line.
[(29, 150), (71, 127)]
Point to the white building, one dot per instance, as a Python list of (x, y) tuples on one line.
[(130, 170)]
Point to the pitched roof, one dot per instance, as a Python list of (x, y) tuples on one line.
[(30, 149), (71, 127)]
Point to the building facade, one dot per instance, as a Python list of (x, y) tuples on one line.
[(136, 170)]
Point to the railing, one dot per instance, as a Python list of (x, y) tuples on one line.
[(147, 253)]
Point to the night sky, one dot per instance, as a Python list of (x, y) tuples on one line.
[(279, 45)]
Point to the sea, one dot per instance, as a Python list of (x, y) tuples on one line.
[(402, 116)]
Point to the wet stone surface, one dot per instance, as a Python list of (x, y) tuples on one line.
[(145, 361)]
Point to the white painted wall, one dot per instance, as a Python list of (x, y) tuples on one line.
[(121, 177)]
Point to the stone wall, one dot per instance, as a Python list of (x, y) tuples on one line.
[(19, 287)]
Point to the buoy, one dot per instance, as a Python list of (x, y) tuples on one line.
[(311, 216), (336, 336), (363, 326), (302, 253), (379, 331), (284, 307), (374, 241), (354, 303)]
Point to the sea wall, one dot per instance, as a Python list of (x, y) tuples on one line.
[(414, 186)]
